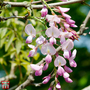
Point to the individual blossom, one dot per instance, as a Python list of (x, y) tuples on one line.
[(67, 69), (68, 80), (67, 45), (66, 15), (60, 61), (70, 57), (48, 49), (44, 11), (61, 10), (32, 52), (29, 29), (46, 79), (58, 86), (40, 40), (37, 68), (52, 19), (64, 0), (52, 32)]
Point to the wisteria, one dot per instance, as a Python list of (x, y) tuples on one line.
[(58, 32)]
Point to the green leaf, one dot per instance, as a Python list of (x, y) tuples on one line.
[(7, 45), (2, 61), (18, 45)]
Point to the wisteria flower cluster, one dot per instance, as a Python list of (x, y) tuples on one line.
[(59, 29)]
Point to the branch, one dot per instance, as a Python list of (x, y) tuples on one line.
[(11, 75), (83, 25), (6, 18), (30, 79), (23, 4)]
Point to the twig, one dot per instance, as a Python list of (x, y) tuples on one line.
[(6, 18), (23, 4), (83, 25), (30, 79)]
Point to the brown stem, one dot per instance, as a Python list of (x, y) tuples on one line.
[(22, 4)]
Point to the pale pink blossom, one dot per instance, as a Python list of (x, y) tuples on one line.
[(67, 45), (48, 58), (73, 25), (58, 86), (48, 49), (50, 88), (44, 11), (52, 40), (68, 80), (66, 15), (37, 68), (46, 79), (52, 19), (65, 75), (45, 66), (60, 71), (72, 63), (59, 61), (33, 51), (62, 10), (66, 25), (69, 21), (40, 40)]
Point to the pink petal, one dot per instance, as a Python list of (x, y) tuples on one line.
[(65, 75), (32, 53), (66, 25), (59, 61), (38, 73), (60, 71), (62, 10), (68, 45), (29, 29), (36, 67), (66, 15), (52, 32), (48, 58), (69, 21), (73, 25), (67, 69), (40, 40), (46, 66), (58, 86), (73, 54), (52, 40), (64, 0), (72, 63), (44, 11), (68, 80), (31, 46), (47, 78), (29, 39), (48, 49), (66, 54)]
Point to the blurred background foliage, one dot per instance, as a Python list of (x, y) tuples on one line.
[(12, 45)]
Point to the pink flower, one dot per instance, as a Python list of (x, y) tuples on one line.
[(52, 18), (66, 15), (44, 11), (38, 69), (46, 79), (68, 80), (62, 10), (40, 40), (59, 61), (67, 69), (48, 49), (50, 88), (48, 58), (46, 66), (66, 25), (52, 40), (65, 75), (69, 21), (32, 52), (60, 71), (52, 32), (29, 29), (67, 45), (67, 54), (58, 86)]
